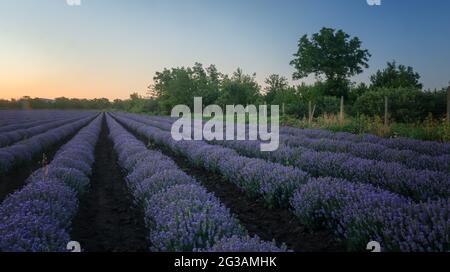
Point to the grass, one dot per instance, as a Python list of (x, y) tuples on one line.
[(430, 129)]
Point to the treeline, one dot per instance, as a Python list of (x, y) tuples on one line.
[(134, 103), (58, 103), (332, 56), (407, 101)]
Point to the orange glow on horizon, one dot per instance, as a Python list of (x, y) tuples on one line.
[(30, 71)]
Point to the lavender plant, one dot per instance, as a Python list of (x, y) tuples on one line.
[(180, 214), (37, 218), (358, 213)]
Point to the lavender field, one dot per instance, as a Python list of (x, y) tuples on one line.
[(119, 182)]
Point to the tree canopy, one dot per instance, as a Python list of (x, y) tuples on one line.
[(396, 76), (275, 84), (239, 89), (333, 54)]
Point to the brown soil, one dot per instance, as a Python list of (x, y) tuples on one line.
[(107, 219)]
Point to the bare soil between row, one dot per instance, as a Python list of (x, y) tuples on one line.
[(107, 219), (269, 224)]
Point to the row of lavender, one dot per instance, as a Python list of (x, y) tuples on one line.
[(372, 151), (419, 185), (15, 117), (179, 214), (24, 151), (366, 150), (11, 137), (356, 212), (33, 123), (38, 217), (424, 147)]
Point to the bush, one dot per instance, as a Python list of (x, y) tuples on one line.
[(405, 104)]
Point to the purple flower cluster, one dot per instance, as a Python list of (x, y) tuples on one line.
[(359, 213), (186, 217), (18, 119), (372, 151), (366, 150), (245, 244), (179, 213), (24, 151), (37, 218), (423, 147), (8, 138), (419, 185), (274, 182), (416, 184), (12, 127)]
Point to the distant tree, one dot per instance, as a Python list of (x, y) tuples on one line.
[(119, 104), (275, 84), (396, 77), (405, 104), (311, 92), (101, 103), (206, 83), (333, 54), (180, 85), (174, 87), (356, 91), (62, 103), (240, 89)]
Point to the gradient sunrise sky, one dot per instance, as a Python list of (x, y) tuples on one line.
[(110, 48)]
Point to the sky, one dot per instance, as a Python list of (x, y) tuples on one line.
[(111, 48)]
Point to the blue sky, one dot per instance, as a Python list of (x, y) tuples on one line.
[(109, 48)]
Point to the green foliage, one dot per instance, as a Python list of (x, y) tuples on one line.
[(433, 102), (276, 84), (333, 54), (430, 129), (328, 104), (180, 86), (405, 104), (292, 101), (296, 100), (240, 89), (396, 77), (57, 103), (356, 91), (312, 92), (137, 104)]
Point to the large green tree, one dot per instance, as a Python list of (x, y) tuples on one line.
[(180, 85), (333, 54), (396, 76), (274, 85)]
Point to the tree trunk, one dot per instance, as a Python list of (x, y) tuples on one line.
[(309, 113)]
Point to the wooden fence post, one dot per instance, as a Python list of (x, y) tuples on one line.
[(448, 105), (341, 114), (386, 111), (309, 113)]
